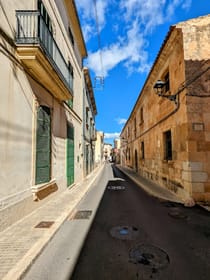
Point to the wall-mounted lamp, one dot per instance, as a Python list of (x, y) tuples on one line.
[(160, 90)]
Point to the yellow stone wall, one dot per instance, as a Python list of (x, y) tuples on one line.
[(185, 54)]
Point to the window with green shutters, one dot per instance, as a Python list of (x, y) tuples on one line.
[(43, 145)]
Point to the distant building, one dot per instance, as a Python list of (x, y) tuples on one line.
[(167, 136), (116, 151), (89, 131), (117, 143), (107, 152), (99, 147)]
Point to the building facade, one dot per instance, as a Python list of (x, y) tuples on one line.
[(107, 152), (167, 136), (89, 130), (41, 60), (99, 147), (116, 151)]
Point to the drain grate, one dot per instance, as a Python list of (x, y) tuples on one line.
[(116, 188), (44, 224), (124, 232), (149, 255), (82, 215), (177, 214)]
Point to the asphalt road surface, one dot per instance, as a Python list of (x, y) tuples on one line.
[(136, 236)]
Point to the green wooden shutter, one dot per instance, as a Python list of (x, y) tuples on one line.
[(70, 154), (43, 145)]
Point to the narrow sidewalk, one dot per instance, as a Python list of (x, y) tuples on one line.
[(154, 189), (22, 243), (149, 186)]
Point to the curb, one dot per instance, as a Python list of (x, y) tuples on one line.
[(170, 197)]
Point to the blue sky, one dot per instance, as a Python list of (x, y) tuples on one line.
[(131, 34)]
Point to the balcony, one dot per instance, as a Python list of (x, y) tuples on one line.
[(41, 56)]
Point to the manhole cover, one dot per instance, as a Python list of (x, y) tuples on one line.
[(116, 188), (44, 224), (149, 255), (177, 214), (84, 214), (169, 204), (124, 232)]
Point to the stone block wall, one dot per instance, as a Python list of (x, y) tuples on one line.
[(197, 67), (185, 54)]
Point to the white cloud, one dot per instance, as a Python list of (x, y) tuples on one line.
[(86, 8), (111, 55), (148, 12), (89, 14), (88, 31), (129, 51), (101, 7), (138, 19), (187, 4), (111, 135), (171, 7), (121, 120), (151, 13)]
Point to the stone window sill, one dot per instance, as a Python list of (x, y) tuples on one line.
[(37, 188)]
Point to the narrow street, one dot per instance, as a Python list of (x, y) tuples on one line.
[(104, 140), (132, 236), (136, 236)]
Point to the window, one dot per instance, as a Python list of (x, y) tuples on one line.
[(142, 150), (87, 117), (167, 145), (71, 36), (71, 75), (141, 115), (134, 124), (71, 71)]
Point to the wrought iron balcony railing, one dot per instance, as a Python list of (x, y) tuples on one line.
[(32, 30)]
